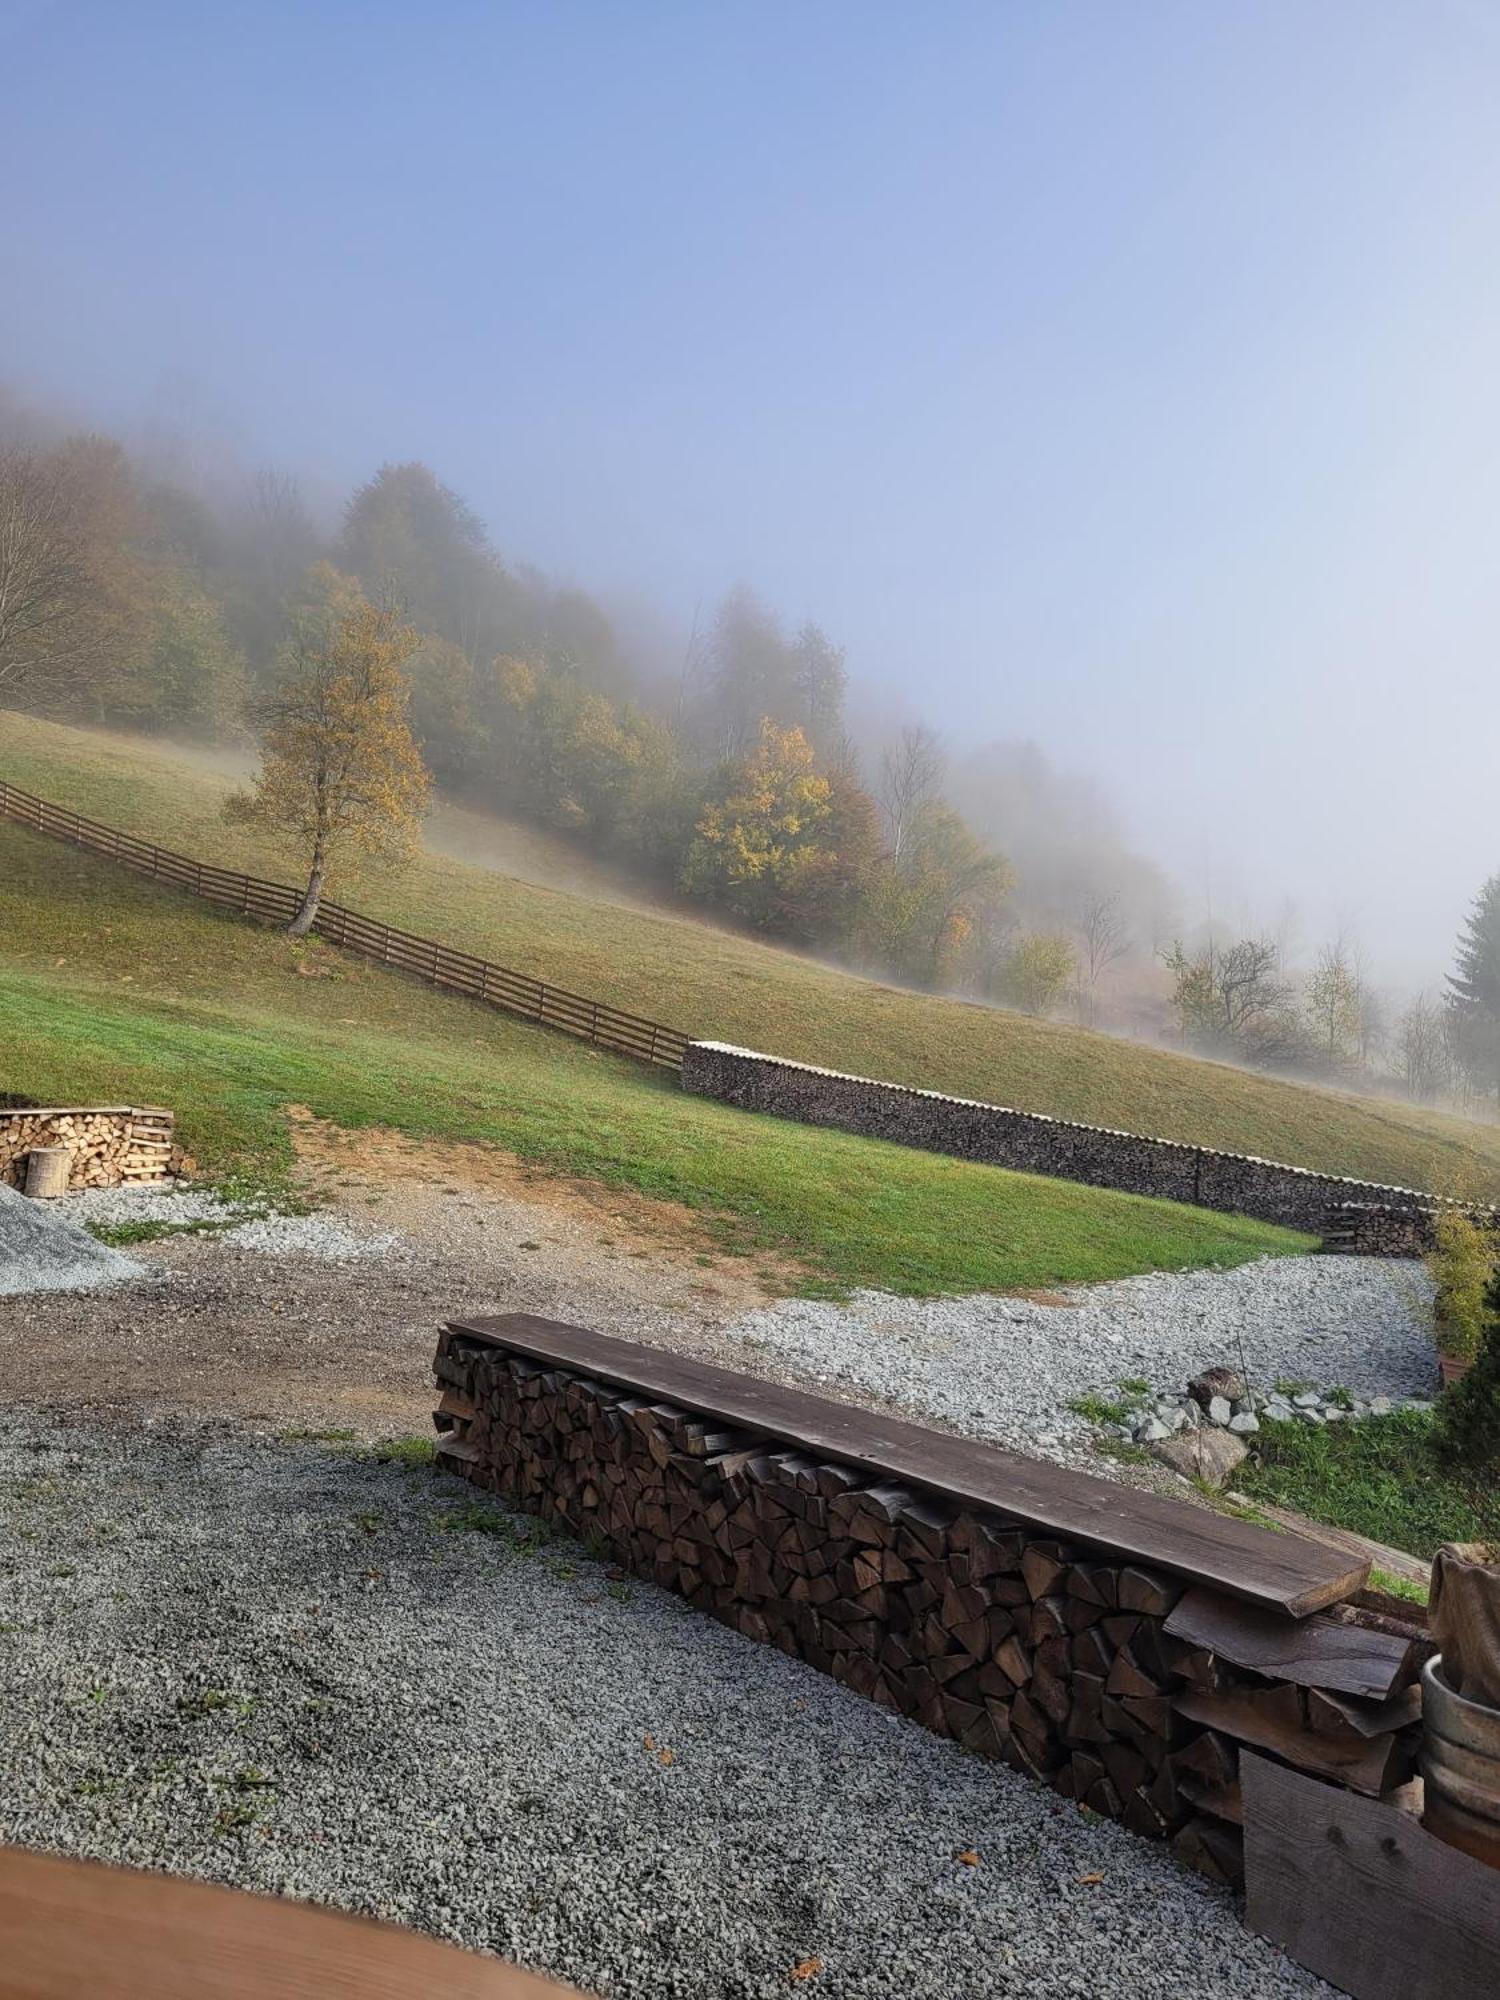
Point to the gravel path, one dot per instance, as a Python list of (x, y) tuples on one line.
[(289, 1667), (1006, 1368)]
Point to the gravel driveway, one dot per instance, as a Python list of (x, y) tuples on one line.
[(281, 1664), (1005, 1368)]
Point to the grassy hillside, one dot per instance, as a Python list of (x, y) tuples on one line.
[(112, 989), (712, 982)]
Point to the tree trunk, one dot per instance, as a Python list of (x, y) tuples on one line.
[(312, 895)]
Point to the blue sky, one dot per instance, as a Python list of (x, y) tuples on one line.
[(1123, 376)]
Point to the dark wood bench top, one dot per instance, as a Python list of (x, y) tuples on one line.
[(1283, 1573)]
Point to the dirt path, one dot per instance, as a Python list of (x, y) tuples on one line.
[(299, 1341)]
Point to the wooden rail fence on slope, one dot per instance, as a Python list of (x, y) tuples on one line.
[(439, 964)]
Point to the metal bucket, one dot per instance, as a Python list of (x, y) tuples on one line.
[(1460, 1768)]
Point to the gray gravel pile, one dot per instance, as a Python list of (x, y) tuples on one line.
[(286, 1666), (41, 1250), (1006, 1367)]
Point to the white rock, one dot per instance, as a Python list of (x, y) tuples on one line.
[(1219, 1411), (1245, 1423)]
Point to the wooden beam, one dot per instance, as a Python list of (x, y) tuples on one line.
[(1266, 1718), (1313, 1652), (1362, 1894), (1278, 1572)]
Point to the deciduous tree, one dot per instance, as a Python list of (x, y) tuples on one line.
[(1038, 971), (760, 838), (42, 578), (1333, 1007), (341, 773), (911, 774), (1232, 1000), (1103, 940)]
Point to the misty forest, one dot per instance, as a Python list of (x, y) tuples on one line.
[(744, 776)]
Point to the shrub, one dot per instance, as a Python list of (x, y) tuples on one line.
[(1470, 1410), (1463, 1266)]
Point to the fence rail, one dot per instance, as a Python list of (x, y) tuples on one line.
[(425, 958)]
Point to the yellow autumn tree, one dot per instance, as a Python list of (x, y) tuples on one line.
[(759, 838), (340, 773)]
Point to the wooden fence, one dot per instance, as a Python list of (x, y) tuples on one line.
[(439, 964)]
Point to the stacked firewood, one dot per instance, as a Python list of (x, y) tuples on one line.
[(109, 1145), (1065, 1665)]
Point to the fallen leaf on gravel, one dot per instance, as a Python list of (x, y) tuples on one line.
[(806, 1968), (969, 1856), (648, 1742), (1091, 1879), (665, 1757)]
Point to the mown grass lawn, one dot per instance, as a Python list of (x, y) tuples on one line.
[(112, 990), (1383, 1477), (716, 983)]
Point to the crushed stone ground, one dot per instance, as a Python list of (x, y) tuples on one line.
[(1006, 1368), (280, 1664)]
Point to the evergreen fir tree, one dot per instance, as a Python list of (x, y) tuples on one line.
[(1474, 992)]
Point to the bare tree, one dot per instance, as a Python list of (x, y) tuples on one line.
[(1333, 1005), (911, 772), (1233, 1000), (42, 580), (1103, 940), (1422, 1052)]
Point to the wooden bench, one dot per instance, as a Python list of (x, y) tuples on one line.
[(1281, 1573)]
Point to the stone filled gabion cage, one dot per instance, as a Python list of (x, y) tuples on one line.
[(1350, 1215), (109, 1145)]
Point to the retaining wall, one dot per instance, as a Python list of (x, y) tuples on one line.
[(1081, 1664), (1233, 1183)]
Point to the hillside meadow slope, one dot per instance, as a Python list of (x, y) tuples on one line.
[(716, 983), (112, 989)]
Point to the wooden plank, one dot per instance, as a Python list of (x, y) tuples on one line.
[(1364, 1764), (1397, 1561), (72, 1927), (1247, 1562), (1362, 1894), (1313, 1652)]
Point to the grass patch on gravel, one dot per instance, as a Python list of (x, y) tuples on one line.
[(120, 1235), (1380, 1477), (714, 982), (112, 990)]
